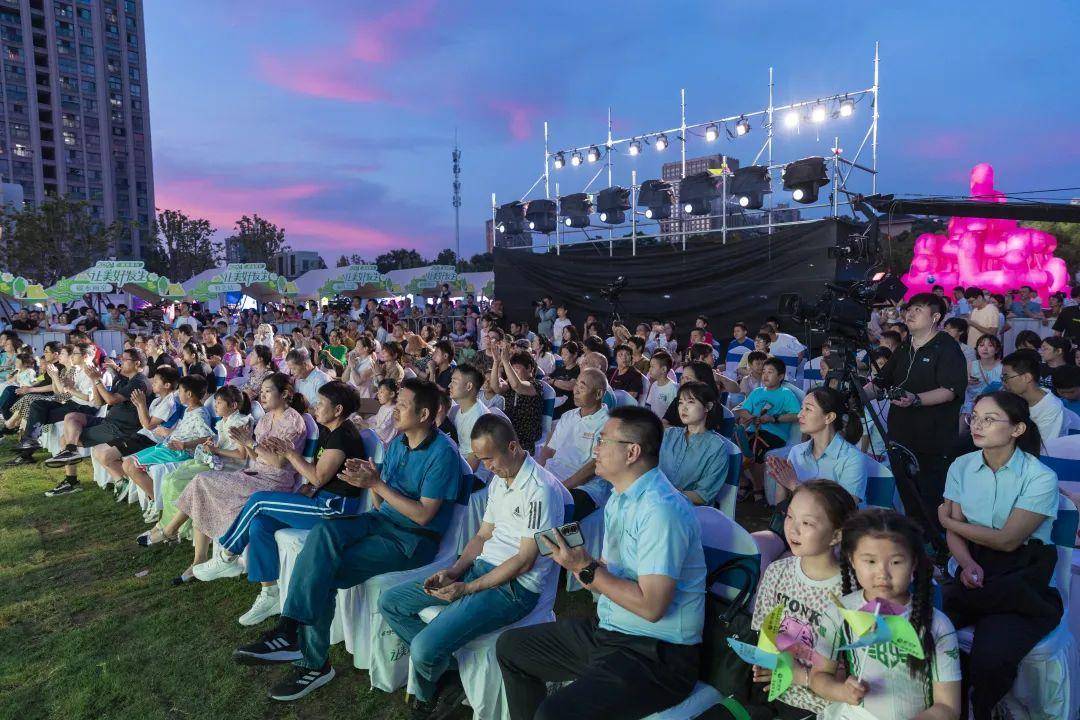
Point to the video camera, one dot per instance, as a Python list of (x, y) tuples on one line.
[(612, 290)]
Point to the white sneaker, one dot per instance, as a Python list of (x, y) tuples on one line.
[(217, 567), (267, 605), (152, 515)]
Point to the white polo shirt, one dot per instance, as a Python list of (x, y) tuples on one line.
[(167, 409), (309, 386), (534, 500), (463, 423), (573, 441), (1049, 415)]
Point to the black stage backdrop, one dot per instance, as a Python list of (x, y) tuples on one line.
[(741, 280)]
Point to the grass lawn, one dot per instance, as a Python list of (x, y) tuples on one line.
[(90, 626)]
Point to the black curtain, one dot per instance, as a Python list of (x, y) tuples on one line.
[(741, 280)]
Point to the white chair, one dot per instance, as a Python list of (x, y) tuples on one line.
[(477, 664), (623, 398), (1071, 424), (811, 374), (733, 357), (1048, 680), (548, 417), (1062, 455), (724, 541), (880, 485), (725, 500), (793, 363)]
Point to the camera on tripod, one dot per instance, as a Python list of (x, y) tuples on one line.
[(612, 290), (889, 392)]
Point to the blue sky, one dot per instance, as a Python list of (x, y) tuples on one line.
[(336, 119)]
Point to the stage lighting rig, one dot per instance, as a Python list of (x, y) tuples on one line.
[(697, 191), (575, 159), (804, 177), (542, 216), (847, 107), (711, 133), (791, 119), (661, 142), (742, 127), (510, 218), (750, 185), (612, 204), (635, 147), (560, 161), (655, 196), (593, 155), (575, 209), (818, 113)]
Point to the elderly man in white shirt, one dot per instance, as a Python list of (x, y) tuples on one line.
[(307, 379), (568, 453)]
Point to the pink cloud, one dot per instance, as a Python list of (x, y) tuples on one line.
[(320, 77), (382, 39), (520, 118)]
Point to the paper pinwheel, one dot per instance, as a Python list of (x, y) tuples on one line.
[(876, 628), (765, 654)]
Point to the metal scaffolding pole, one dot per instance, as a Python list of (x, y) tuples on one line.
[(877, 114), (547, 157)]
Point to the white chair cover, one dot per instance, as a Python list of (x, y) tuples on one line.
[(548, 417), (1063, 456), (811, 374), (734, 355), (623, 398), (725, 501), (1071, 424)]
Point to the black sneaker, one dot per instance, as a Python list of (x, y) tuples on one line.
[(64, 458), (449, 696), (66, 487), (301, 682), (28, 444), (19, 460), (275, 646), (421, 710)]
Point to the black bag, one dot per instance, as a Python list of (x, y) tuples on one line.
[(720, 666)]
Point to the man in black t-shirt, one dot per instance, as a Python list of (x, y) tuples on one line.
[(266, 512), (1068, 322), (929, 367)]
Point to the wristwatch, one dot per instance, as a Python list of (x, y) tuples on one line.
[(917, 402), (588, 573)]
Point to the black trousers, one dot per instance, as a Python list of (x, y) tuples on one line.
[(924, 491), (1013, 610), (583, 504), (46, 412), (612, 675)]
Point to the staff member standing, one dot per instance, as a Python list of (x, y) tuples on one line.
[(640, 655), (929, 367)]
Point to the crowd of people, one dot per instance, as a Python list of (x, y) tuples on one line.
[(261, 428)]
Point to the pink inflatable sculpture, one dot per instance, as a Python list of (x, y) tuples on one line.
[(995, 255)]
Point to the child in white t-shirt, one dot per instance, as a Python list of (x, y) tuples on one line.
[(662, 391)]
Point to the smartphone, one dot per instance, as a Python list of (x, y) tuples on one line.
[(571, 533)]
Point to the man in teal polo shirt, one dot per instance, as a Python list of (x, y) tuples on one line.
[(413, 495), (640, 655)]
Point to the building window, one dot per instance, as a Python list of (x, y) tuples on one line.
[(90, 104), (70, 138), (89, 87), (70, 121), (133, 74), (63, 11), (85, 14), (20, 130), (136, 105), (88, 69), (86, 34), (119, 132), (87, 51), (21, 150), (135, 90)]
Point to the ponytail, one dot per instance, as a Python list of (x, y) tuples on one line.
[(848, 423), (1017, 410)]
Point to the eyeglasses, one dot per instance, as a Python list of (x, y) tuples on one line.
[(601, 440), (978, 421), (1007, 378)]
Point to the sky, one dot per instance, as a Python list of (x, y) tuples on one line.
[(336, 118)]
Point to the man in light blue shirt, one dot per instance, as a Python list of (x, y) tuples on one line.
[(640, 655)]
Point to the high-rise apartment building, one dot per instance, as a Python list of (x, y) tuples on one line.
[(74, 112)]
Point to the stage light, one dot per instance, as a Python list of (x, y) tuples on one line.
[(612, 204), (655, 196), (541, 215), (742, 127), (661, 141), (697, 191), (847, 107), (575, 209), (635, 148), (560, 161), (791, 120), (804, 177), (750, 184), (711, 133), (575, 159), (510, 218), (818, 114), (593, 154)]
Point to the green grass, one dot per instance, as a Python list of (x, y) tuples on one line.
[(83, 636)]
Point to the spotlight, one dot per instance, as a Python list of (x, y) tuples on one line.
[(510, 218), (804, 177), (575, 209), (635, 148), (541, 215), (750, 185), (742, 127), (661, 141), (575, 159), (711, 133), (593, 154), (791, 120), (612, 204), (560, 161), (655, 195), (818, 114), (697, 191), (847, 107)]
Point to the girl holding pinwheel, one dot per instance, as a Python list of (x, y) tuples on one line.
[(899, 658), (800, 588), (1000, 504)]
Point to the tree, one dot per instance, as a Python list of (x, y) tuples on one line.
[(56, 239), (445, 257), (1068, 242), (181, 247), (481, 262), (342, 261), (399, 259), (256, 239)]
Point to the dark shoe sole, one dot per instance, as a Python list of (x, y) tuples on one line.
[(64, 462), (274, 658), (323, 680), (53, 493)]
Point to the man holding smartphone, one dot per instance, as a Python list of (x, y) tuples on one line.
[(640, 655), (499, 577)]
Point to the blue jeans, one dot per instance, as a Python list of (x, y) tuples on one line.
[(432, 645), (265, 513), (339, 553)]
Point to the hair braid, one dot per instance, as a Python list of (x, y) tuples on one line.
[(922, 615)]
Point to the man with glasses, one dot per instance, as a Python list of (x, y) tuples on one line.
[(640, 655), (929, 367)]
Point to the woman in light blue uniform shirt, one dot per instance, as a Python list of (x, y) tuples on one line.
[(694, 457)]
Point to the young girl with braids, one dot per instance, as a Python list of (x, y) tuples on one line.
[(1000, 504), (884, 565), (805, 583)]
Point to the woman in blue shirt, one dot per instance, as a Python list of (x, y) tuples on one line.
[(1000, 505), (693, 457)]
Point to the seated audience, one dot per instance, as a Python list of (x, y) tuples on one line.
[(625, 376), (693, 457), (765, 418), (523, 402), (307, 379), (1066, 384), (662, 389), (1020, 375)]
